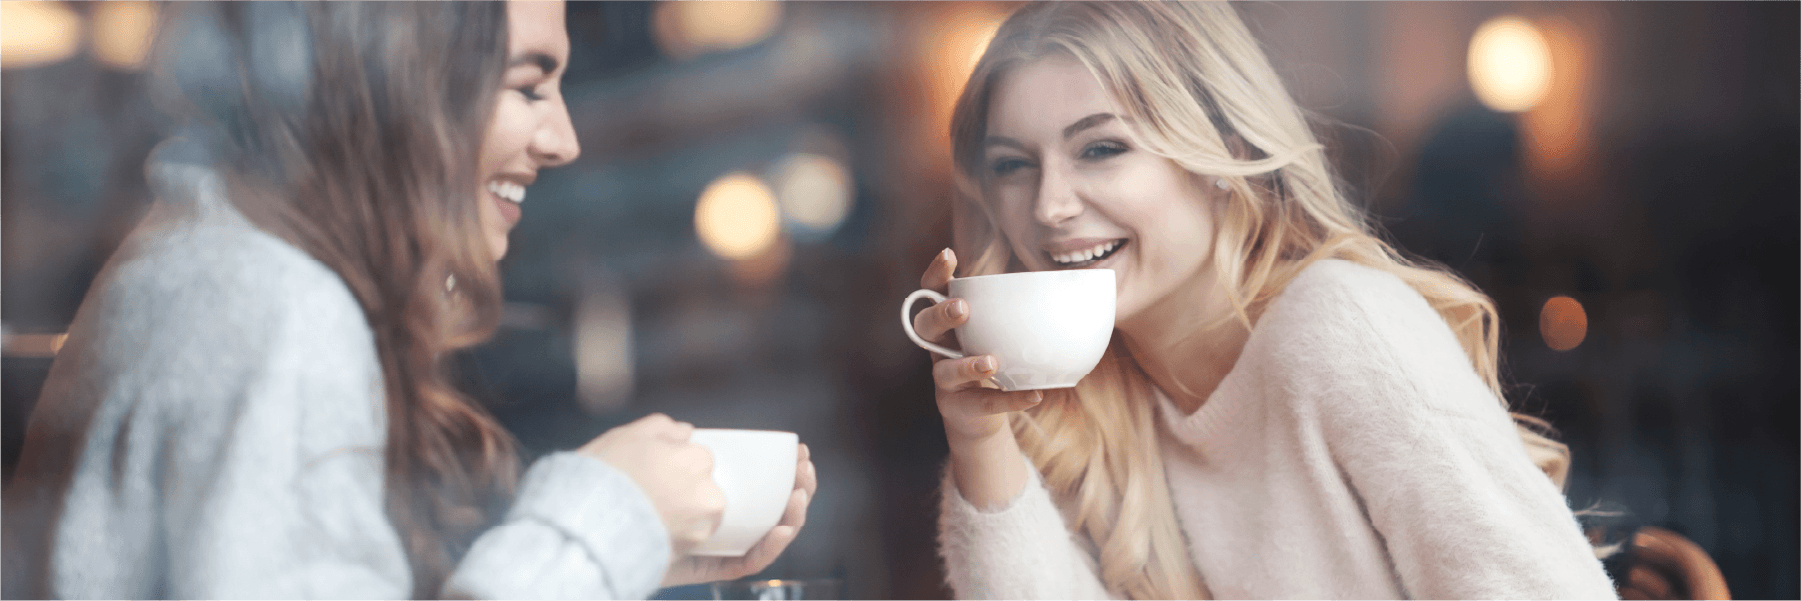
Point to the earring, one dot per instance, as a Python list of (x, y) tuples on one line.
[(1219, 182)]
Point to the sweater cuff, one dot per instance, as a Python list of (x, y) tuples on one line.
[(1023, 550), (1033, 487), (605, 512)]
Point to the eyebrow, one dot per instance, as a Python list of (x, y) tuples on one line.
[(1084, 123), (544, 61)]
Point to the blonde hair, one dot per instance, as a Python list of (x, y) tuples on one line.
[(1197, 87)]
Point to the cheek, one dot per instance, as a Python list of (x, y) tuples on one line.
[(1014, 210), (509, 132), (1175, 230)]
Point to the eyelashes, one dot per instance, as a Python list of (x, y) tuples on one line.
[(1006, 166), (1103, 149), (1095, 152)]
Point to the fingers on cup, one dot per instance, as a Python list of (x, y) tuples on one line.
[(958, 374), (999, 401), (938, 274), (937, 320), (712, 502), (809, 479), (796, 513), (767, 550)]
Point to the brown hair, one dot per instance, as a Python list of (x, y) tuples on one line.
[(1202, 94), (352, 130)]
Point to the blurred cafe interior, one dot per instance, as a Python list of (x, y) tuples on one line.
[(762, 182)]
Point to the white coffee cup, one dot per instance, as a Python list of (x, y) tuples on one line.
[(755, 470), (1047, 329)]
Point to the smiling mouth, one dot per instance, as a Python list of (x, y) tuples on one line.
[(1087, 257), (509, 191)]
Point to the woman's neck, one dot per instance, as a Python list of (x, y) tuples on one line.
[(1187, 341)]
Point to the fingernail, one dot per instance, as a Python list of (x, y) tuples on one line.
[(1037, 396), (985, 364), (959, 308), (945, 254)]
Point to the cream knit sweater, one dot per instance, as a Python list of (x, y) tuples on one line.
[(214, 428), (1351, 452)]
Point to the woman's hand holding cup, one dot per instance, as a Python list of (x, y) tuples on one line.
[(676, 474), (1035, 331), (971, 410), (692, 569)]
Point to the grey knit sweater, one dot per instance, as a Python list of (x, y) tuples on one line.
[(214, 428)]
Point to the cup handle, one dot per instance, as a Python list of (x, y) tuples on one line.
[(907, 322)]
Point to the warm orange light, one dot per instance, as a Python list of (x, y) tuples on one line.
[(1562, 323), (1509, 64), (815, 191), (687, 29), (32, 345), (37, 33), (123, 30), (1557, 130), (953, 46), (737, 217)]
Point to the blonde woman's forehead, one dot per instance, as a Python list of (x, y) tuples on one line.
[(1039, 103)]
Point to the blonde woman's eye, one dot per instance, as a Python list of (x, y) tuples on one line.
[(1101, 150), (531, 93)]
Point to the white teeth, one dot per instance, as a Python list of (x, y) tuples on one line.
[(1088, 254), (508, 190)]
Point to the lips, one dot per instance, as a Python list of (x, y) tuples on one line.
[(509, 210), (507, 195)]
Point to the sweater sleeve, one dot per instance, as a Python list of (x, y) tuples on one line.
[(1021, 551), (1432, 453), (578, 530), (245, 402)]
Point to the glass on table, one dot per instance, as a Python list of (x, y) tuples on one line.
[(818, 588)]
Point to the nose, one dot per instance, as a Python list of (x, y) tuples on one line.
[(1058, 200), (554, 144)]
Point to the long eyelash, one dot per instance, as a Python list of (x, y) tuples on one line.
[(531, 93), (1112, 148), (1011, 165)]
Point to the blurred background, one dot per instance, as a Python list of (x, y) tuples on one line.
[(761, 184)]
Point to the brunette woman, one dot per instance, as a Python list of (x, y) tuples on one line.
[(253, 399)]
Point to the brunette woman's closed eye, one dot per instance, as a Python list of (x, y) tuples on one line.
[(1007, 166)]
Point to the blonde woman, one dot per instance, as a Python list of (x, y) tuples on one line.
[(1287, 409)]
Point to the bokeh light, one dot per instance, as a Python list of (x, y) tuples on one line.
[(32, 345), (37, 33), (687, 29), (1509, 64), (953, 45), (1559, 130), (1562, 323), (603, 349), (815, 192), (123, 30), (737, 217)]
